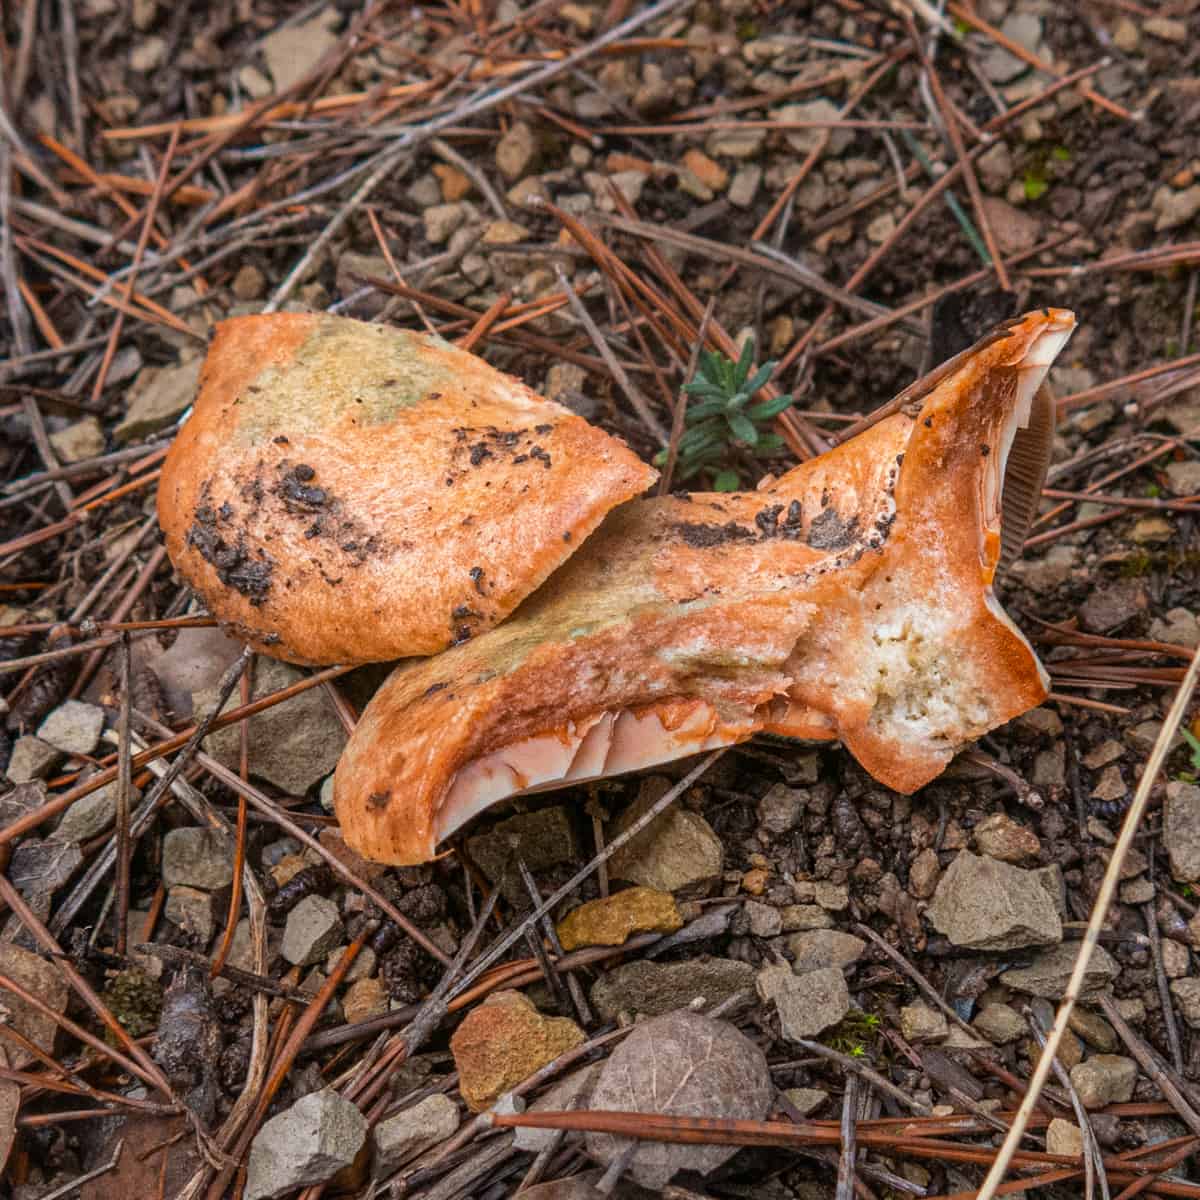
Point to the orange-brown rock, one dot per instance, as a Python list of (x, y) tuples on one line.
[(610, 920), (503, 1042)]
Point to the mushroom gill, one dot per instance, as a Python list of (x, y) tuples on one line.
[(850, 599)]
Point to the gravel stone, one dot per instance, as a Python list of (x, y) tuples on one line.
[(1000, 1023), (504, 233), (1102, 755), (193, 911), (544, 838), (567, 1095), (824, 948), (735, 143), (711, 174), (833, 897), (1024, 28), (1126, 36), (158, 396), (805, 140), (39, 978), (780, 808), (808, 1004), (610, 920), (73, 727), (1050, 768), (294, 744), (1137, 891), (313, 929), (996, 167), (363, 965), (31, 759), (983, 904), (256, 85), (1000, 837), (1178, 626), (1181, 830), (1111, 605), (197, 857), (441, 220), (653, 988), (1187, 994), (147, 55), (408, 1133), (364, 999), (92, 815), (805, 1101), (84, 439), (291, 51), (1176, 959), (1094, 1029), (1049, 572), (515, 151), (249, 283), (1184, 478), (677, 850), (1063, 1137), (745, 186), (924, 874), (920, 1022), (1153, 530), (1165, 29), (798, 917), (503, 1041), (1050, 970), (308, 1143), (765, 921), (1104, 1079)]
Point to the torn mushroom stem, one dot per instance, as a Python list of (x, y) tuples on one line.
[(851, 599)]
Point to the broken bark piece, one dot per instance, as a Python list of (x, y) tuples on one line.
[(851, 599), (346, 492)]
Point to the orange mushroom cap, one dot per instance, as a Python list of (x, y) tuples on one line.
[(850, 599), (345, 492)]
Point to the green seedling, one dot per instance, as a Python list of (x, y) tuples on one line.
[(1036, 184), (855, 1033), (725, 415), (1194, 745)]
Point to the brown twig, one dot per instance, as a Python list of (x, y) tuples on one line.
[(239, 851), (124, 792)]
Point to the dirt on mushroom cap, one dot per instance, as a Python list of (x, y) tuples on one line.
[(346, 492)]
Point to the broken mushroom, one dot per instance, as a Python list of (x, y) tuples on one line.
[(850, 599), (346, 492)]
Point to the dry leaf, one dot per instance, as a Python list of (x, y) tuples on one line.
[(144, 1140), (195, 662), (680, 1064)]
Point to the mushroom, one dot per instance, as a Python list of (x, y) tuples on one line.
[(850, 599), (345, 492)]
